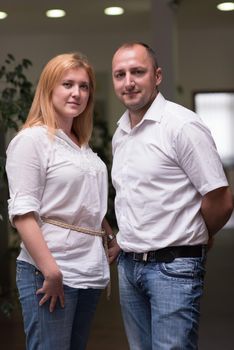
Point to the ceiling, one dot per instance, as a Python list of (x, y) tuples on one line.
[(28, 17), (82, 15)]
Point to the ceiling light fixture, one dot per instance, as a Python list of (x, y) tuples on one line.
[(3, 15), (55, 13), (226, 6), (113, 11)]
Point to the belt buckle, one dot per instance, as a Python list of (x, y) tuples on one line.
[(140, 256)]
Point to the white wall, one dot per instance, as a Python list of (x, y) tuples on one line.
[(206, 61), (205, 55), (99, 49)]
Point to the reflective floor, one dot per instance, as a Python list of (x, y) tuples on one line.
[(217, 321)]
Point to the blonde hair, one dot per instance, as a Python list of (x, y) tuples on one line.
[(42, 110)]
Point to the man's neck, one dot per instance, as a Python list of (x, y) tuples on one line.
[(135, 118)]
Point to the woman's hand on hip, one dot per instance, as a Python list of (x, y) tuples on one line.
[(52, 289)]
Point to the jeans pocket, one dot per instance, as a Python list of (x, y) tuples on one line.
[(28, 277), (39, 279), (18, 272), (22, 269), (184, 268)]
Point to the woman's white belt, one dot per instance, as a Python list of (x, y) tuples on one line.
[(88, 231)]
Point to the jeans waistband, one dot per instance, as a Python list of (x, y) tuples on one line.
[(168, 254)]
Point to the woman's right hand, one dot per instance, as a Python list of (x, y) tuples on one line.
[(52, 289), (33, 239)]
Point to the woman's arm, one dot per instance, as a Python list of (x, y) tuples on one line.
[(33, 240)]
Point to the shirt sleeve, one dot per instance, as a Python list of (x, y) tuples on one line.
[(198, 157), (26, 175)]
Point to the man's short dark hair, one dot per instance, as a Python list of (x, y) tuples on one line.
[(149, 49)]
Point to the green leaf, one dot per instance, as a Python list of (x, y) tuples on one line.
[(16, 92), (11, 57), (26, 63)]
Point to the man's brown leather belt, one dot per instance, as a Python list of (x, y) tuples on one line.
[(168, 254)]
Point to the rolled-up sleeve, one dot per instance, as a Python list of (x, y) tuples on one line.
[(26, 174)]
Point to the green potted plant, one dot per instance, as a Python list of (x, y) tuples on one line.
[(16, 93)]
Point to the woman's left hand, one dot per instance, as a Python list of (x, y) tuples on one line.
[(113, 250)]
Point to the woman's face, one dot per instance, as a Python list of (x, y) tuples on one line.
[(70, 95)]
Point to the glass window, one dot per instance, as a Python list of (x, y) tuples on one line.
[(216, 109)]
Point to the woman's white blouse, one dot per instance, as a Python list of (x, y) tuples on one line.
[(53, 177)]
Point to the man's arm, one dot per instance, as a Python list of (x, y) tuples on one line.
[(216, 208)]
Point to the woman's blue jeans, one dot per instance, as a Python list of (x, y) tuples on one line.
[(63, 329), (160, 302)]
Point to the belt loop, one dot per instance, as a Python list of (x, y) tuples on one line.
[(145, 255), (204, 252)]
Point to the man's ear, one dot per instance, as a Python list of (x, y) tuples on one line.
[(158, 75)]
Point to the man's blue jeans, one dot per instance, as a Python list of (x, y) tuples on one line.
[(62, 329), (160, 302)]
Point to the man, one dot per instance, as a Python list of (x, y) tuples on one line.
[(171, 198)]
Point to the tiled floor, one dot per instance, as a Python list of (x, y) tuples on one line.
[(217, 321)]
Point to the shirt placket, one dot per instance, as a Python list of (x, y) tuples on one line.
[(126, 156)]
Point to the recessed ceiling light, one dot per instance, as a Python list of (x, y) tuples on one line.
[(114, 11), (226, 6), (55, 13), (3, 15)]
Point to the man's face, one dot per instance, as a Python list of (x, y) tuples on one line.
[(135, 78)]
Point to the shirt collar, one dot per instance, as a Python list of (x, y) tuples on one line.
[(62, 135), (154, 113)]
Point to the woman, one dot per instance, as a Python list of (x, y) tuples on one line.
[(58, 200)]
